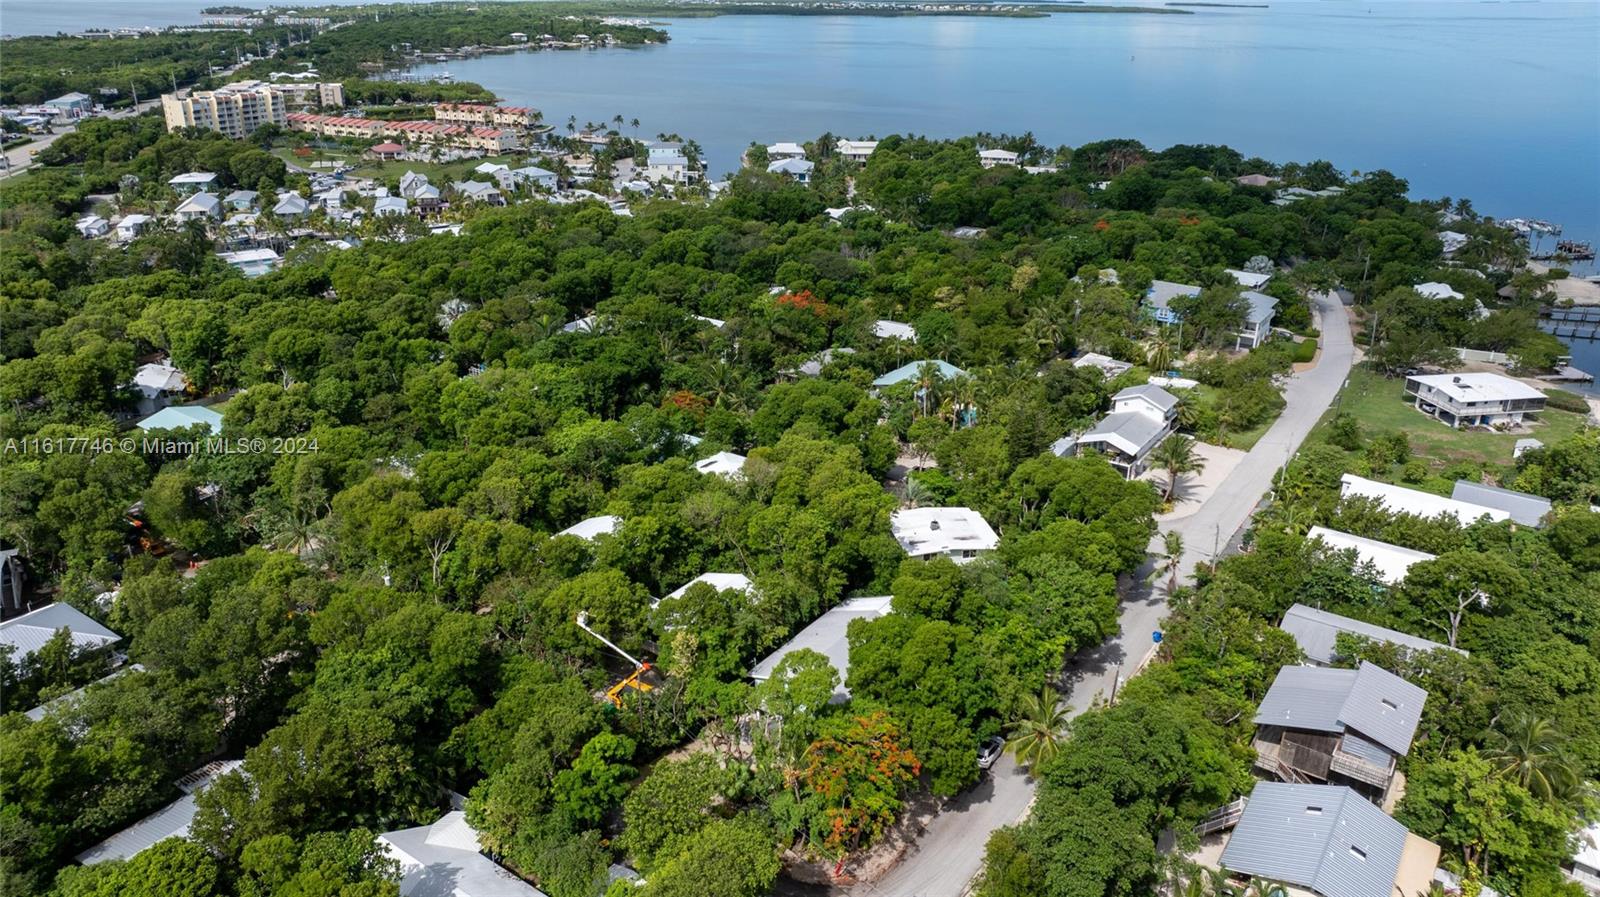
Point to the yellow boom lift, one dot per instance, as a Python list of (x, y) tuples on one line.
[(634, 680)]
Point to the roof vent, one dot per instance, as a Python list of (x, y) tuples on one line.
[(1357, 852), (1455, 379), (1390, 704), (1313, 811), (933, 524)]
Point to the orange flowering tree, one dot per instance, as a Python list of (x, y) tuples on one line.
[(856, 776)]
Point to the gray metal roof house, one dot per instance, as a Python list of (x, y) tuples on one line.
[(1329, 840), (1526, 509), (171, 821), (1348, 727), (29, 632), (1316, 631), (827, 636)]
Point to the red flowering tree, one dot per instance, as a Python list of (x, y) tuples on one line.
[(856, 775)]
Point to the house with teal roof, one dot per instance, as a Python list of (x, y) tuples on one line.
[(947, 371), (179, 417)]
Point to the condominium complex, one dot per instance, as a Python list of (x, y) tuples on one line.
[(239, 108), (475, 114)]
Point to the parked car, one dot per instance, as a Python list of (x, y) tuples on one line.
[(989, 752)]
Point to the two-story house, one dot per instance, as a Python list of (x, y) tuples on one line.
[(1141, 418), (1158, 299), (1322, 725), (1473, 399), (1257, 328)]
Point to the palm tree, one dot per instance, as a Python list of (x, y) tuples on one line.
[(1172, 552), (1041, 727), (1177, 457), (1158, 350), (634, 124), (928, 378), (1533, 751), (1187, 879), (917, 494)]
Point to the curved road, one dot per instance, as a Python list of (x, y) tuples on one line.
[(950, 854)]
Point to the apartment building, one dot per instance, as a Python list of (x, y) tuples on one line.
[(488, 116), (239, 108)]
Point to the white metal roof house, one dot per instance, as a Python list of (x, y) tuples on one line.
[(29, 632), (199, 207), (593, 527), (390, 205), (960, 534), (291, 205), (91, 226), (1337, 726), (785, 150), (722, 582), (989, 158), (1400, 500), (132, 226), (1317, 632), (799, 169), (722, 464), (1392, 561), (857, 151), (192, 181), (410, 182), (241, 200), (535, 176), (1526, 509), (171, 821), (827, 636), (443, 860), (65, 703), (1141, 418), (1474, 399), (885, 329), (1250, 280), (1327, 840), (253, 262)]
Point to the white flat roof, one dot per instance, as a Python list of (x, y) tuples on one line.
[(1401, 500), (594, 526), (922, 531), (1479, 387), (1392, 561), (160, 377), (884, 329)]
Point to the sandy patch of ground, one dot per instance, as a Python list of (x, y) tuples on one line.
[(1195, 488), (1580, 291)]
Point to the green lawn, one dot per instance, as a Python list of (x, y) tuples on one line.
[(438, 173), (1379, 404), (1243, 440)]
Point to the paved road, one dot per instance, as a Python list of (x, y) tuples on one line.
[(20, 159), (951, 853)]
